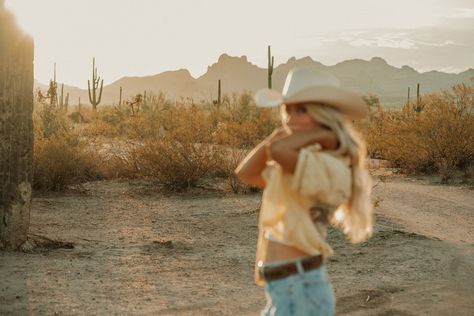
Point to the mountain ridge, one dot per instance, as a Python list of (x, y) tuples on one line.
[(237, 73)]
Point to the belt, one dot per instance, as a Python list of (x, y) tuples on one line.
[(287, 269)]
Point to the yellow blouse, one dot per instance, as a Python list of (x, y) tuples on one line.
[(320, 177)]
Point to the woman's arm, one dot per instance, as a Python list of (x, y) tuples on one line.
[(285, 150), (249, 170)]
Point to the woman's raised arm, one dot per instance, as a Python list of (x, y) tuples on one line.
[(250, 169), (285, 150)]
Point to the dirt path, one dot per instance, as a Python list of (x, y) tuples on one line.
[(441, 211), (138, 252)]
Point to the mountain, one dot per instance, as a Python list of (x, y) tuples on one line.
[(374, 76)]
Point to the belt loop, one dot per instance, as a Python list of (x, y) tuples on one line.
[(299, 266)]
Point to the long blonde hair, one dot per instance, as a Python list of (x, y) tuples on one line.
[(356, 219)]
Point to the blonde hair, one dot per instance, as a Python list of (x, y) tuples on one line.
[(356, 219)]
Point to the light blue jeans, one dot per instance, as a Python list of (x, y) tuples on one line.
[(304, 293)]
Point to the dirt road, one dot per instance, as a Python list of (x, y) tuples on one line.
[(140, 252)]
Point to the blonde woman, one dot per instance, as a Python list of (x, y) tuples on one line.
[(313, 173)]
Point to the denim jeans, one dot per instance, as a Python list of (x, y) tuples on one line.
[(305, 293)]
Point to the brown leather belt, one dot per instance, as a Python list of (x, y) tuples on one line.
[(287, 269)]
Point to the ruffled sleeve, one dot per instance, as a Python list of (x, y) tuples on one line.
[(322, 175)]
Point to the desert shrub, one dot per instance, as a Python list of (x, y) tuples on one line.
[(50, 121), (437, 139), (229, 158), (61, 161), (99, 128), (239, 123), (119, 159), (59, 158), (177, 144), (183, 155), (78, 118)]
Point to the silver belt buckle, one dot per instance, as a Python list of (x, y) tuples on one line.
[(260, 269)]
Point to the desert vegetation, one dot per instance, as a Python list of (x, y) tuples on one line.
[(183, 144), (176, 144), (433, 135)]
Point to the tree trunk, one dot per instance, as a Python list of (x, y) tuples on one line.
[(16, 131)]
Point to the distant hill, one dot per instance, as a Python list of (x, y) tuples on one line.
[(237, 74)]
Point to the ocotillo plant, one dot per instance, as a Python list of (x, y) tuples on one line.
[(270, 67), (94, 100)]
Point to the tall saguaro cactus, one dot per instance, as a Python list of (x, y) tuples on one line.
[(93, 98), (219, 92), (419, 106), (270, 67), (16, 131)]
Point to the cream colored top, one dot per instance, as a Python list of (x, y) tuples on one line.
[(320, 177), (268, 235)]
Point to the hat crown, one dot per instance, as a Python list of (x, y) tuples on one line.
[(299, 79)]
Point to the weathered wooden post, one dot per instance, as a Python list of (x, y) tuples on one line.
[(16, 130)]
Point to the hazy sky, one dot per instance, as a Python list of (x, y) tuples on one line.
[(146, 37)]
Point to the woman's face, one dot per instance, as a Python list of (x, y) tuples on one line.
[(298, 119)]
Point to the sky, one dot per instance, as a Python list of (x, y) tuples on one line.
[(147, 37)]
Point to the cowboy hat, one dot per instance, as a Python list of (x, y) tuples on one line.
[(307, 85)]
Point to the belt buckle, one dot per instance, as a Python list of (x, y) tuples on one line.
[(260, 269)]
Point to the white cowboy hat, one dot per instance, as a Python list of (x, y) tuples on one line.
[(306, 85)]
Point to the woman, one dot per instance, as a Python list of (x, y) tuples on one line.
[(313, 173)]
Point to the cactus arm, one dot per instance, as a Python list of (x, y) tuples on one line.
[(100, 91), (89, 90)]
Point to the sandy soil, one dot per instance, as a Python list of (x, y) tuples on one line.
[(122, 248)]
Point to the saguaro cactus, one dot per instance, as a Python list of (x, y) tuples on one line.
[(93, 98), (63, 101), (218, 101), (219, 92), (120, 97), (16, 131), (270, 67), (419, 106)]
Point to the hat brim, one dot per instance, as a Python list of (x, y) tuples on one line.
[(343, 100), (267, 98)]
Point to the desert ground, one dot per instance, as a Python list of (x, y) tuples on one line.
[(126, 248)]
